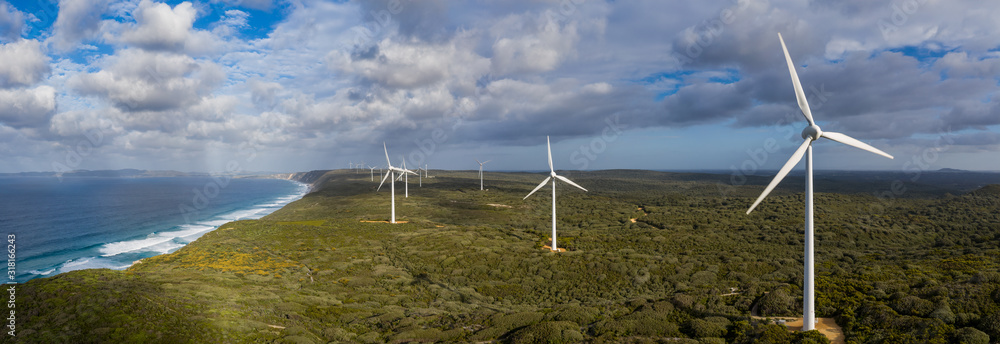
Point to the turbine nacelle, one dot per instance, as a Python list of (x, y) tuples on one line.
[(812, 132)]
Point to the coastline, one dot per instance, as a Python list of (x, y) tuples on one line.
[(304, 189), (121, 254)]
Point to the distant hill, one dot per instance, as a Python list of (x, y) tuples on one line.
[(989, 190)]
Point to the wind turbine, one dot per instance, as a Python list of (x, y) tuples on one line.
[(553, 176), (481, 172), (809, 134), (373, 171), (406, 180), (392, 171)]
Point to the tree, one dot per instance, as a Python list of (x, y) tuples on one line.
[(968, 335)]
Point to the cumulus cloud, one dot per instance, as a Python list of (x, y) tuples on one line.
[(137, 80), (531, 44), (24, 63), (11, 22), (402, 65), (78, 20), (158, 27), (27, 108)]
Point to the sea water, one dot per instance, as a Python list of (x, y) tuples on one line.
[(84, 223)]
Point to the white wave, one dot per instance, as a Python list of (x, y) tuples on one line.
[(76, 262), (42, 273), (157, 242), (165, 242), (87, 263)]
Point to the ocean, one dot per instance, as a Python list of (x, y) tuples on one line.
[(84, 223)]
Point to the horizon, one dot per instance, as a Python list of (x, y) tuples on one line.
[(309, 85), (759, 173)]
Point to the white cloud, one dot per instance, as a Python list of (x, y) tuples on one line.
[(27, 108), (24, 63), (11, 22), (78, 20), (231, 23), (401, 65), (531, 44), (138, 80), (158, 27)]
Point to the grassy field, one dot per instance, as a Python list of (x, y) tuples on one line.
[(651, 257)]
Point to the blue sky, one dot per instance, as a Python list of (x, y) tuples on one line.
[(295, 85)]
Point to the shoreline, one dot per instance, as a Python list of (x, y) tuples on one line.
[(123, 254), (304, 189)]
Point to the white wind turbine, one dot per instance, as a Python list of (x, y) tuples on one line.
[(392, 171), (406, 180), (810, 134), (420, 177), (553, 176), (481, 172), (373, 171)]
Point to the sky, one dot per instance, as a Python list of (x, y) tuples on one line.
[(298, 85)]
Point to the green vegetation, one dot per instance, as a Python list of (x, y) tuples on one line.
[(469, 267)]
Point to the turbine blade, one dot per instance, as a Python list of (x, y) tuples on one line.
[(484, 162), (794, 160), (799, 94), (386, 154), (850, 141), (477, 160), (537, 187), (570, 182), (383, 180), (547, 142)]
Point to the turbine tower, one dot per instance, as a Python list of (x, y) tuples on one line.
[(392, 171), (553, 176), (406, 180), (373, 172), (481, 172), (810, 134)]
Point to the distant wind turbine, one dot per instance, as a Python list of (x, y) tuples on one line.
[(810, 134), (406, 180), (392, 171), (481, 172), (420, 177), (553, 176), (373, 171)]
